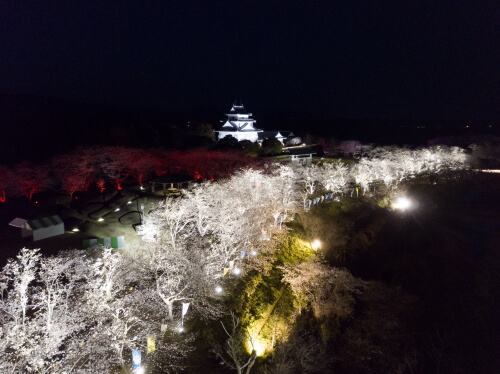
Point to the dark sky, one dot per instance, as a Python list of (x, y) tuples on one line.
[(361, 59)]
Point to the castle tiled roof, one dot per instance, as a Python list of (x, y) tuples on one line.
[(239, 109)]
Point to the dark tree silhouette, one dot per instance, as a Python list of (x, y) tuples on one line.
[(271, 146), (228, 142)]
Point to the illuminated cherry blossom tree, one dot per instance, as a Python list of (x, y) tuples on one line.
[(349, 147), (30, 179), (5, 179), (142, 164), (39, 311), (335, 177), (328, 290), (73, 172)]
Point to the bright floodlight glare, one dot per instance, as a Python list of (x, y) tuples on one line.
[(75, 229), (403, 203), (316, 244), (117, 209), (129, 202), (253, 253), (181, 329), (256, 344), (139, 370), (218, 289), (101, 219), (259, 347), (237, 271)]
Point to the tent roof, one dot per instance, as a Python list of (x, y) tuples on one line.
[(18, 222), (42, 223)]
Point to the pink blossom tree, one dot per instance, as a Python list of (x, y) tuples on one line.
[(30, 179)]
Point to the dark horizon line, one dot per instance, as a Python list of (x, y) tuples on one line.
[(185, 113)]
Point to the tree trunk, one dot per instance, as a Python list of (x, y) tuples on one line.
[(250, 365), (170, 306)]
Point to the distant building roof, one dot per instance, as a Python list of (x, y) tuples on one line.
[(287, 134), (271, 134), (276, 134)]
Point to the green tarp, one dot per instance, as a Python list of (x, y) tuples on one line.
[(115, 242)]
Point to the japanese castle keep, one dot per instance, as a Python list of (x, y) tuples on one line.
[(240, 125)]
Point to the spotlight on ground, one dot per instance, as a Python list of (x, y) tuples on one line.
[(218, 289), (316, 244), (402, 203)]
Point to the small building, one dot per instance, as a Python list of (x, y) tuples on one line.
[(302, 159), (300, 155), (170, 184), (40, 228), (272, 134)]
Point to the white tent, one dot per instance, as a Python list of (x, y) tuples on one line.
[(47, 227), (19, 223)]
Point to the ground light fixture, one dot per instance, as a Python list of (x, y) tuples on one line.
[(75, 229), (253, 253), (139, 370), (100, 219), (218, 289), (236, 271), (402, 204), (316, 244), (180, 329), (117, 209)]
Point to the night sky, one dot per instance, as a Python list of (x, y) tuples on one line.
[(356, 59)]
